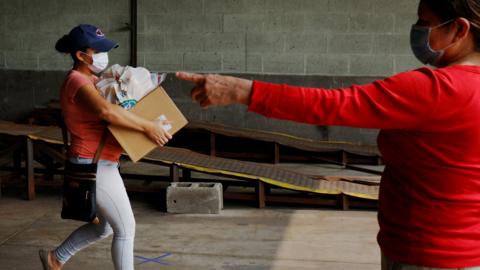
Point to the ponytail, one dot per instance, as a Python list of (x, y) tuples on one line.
[(64, 45)]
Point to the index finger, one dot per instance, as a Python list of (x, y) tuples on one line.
[(193, 77)]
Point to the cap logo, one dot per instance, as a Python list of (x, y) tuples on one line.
[(99, 33)]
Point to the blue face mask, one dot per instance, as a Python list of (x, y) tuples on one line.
[(420, 44)]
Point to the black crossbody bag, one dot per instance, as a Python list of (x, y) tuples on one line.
[(79, 186)]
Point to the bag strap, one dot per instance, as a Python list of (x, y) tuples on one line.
[(64, 135), (101, 145)]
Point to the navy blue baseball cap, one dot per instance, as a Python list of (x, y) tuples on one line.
[(90, 36)]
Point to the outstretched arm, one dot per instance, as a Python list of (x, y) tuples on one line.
[(403, 101)]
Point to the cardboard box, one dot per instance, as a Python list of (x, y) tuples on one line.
[(157, 104)]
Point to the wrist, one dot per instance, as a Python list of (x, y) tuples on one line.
[(244, 91), (147, 126)]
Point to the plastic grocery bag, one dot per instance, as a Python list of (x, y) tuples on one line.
[(127, 85)]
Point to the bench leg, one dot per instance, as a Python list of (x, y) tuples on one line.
[(260, 194), (29, 174), (174, 173)]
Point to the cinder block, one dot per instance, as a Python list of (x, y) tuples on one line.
[(392, 44), (371, 23), (381, 65), (225, 42), (203, 62), (242, 23), (98, 20), (234, 62), (241, 63), (284, 63), (21, 60), (202, 23), (121, 58), (406, 63), (117, 7), (326, 22), (404, 21), (182, 43), (164, 61), (81, 7), (151, 43), (52, 60), (123, 39), (10, 42), (150, 7), (118, 22), (350, 6), (265, 42), (284, 22), (10, 7), (306, 43), (37, 42), (394, 6), (254, 63), (327, 64), (234, 6), (183, 6), (202, 198), (350, 43), (33, 7), (2, 60), (167, 23), (285, 6)]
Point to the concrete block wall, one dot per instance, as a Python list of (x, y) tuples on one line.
[(301, 37), (29, 30), (323, 43)]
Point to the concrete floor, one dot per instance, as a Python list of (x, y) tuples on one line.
[(240, 238)]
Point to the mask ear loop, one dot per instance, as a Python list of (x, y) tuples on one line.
[(448, 46), (88, 56), (443, 24)]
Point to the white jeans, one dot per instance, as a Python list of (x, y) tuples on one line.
[(115, 214)]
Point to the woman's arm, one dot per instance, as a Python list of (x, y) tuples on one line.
[(404, 101), (89, 97)]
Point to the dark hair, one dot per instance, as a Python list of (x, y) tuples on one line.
[(65, 45), (452, 9)]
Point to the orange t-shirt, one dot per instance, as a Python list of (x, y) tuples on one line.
[(85, 127)]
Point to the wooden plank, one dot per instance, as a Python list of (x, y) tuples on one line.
[(302, 200)]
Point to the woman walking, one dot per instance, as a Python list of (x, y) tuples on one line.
[(86, 113)]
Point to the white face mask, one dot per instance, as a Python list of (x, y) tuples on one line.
[(99, 62)]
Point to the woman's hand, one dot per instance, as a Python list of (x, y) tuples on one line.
[(156, 133), (218, 90)]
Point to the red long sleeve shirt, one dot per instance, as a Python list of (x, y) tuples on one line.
[(429, 202)]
